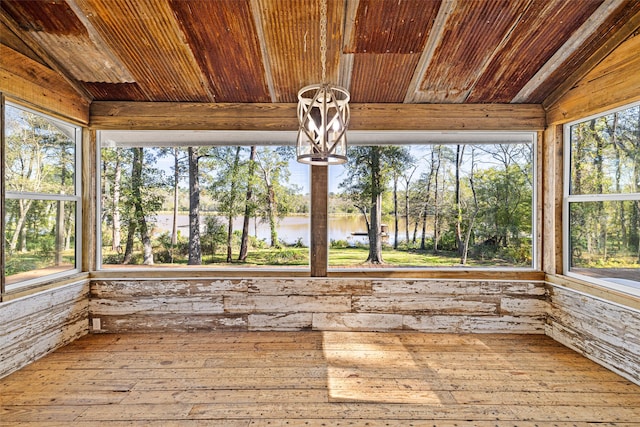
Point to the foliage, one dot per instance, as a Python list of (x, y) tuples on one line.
[(39, 174), (605, 162)]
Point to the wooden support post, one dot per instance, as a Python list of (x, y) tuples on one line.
[(552, 193), (2, 208), (89, 199), (319, 243)]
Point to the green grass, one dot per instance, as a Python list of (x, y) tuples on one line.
[(338, 257)]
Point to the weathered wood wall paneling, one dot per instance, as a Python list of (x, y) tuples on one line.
[(279, 304), (38, 324), (605, 332)]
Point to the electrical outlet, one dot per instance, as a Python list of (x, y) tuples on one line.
[(95, 323)]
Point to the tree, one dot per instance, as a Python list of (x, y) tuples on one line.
[(29, 138), (141, 208), (195, 249), (407, 176), (249, 206), (473, 215), (458, 197), (399, 166), (368, 171), (228, 188), (273, 165)]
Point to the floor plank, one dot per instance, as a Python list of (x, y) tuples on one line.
[(316, 379)]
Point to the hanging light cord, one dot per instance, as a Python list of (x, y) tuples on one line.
[(323, 39)]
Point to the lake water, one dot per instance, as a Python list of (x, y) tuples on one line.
[(290, 229)]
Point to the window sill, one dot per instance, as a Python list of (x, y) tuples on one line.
[(599, 289)]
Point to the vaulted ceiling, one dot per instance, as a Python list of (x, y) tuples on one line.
[(262, 51)]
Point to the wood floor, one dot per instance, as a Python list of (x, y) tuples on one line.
[(317, 378)]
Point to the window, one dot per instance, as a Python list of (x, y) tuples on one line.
[(602, 199), (466, 199), (178, 199), (462, 198), (42, 197)]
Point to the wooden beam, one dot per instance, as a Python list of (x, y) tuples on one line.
[(51, 62), (605, 50), (273, 117), (24, 79), (319, 254), (613, 83), (435, 38), (574, 43), (255, 10)]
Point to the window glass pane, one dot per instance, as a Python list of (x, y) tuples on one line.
[(226, 206), (604, 239), (40, 238), (39, 154), (439, 206), (605, 154)]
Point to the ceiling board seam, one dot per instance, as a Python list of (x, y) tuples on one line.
[(346, 61), (571, 45), (257, 18), (95, 37), (346, 70), (349, 23), (435, 37)]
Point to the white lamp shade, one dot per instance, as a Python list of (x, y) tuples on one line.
[(323, 118)]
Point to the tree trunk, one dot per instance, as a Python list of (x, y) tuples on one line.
[(232, 203), (458, 206), (195, 249), (375, 238), (436, 205), (406, 213), (602, 217), (136, 184), (425, 208), (128, 250), (272, 207), (395, 211), (244, 241), (59, 233), (115, 202), (24, 206), (176, 181), (423, 216), (472, 220)]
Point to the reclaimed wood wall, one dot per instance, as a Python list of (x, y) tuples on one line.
[(35, 325), (278, 304), (605, 332)]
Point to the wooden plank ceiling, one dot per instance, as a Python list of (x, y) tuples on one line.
[(262, 51)]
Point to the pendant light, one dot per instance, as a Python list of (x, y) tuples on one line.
[(323, 114)]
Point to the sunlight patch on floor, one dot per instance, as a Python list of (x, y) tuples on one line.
[(377, 371)]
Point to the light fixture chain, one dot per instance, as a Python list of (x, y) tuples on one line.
[(323, 38)]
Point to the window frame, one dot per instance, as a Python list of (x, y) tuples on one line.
[(438, 138), (103, 142), (568, 198), (75, 199), (475, 138)]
